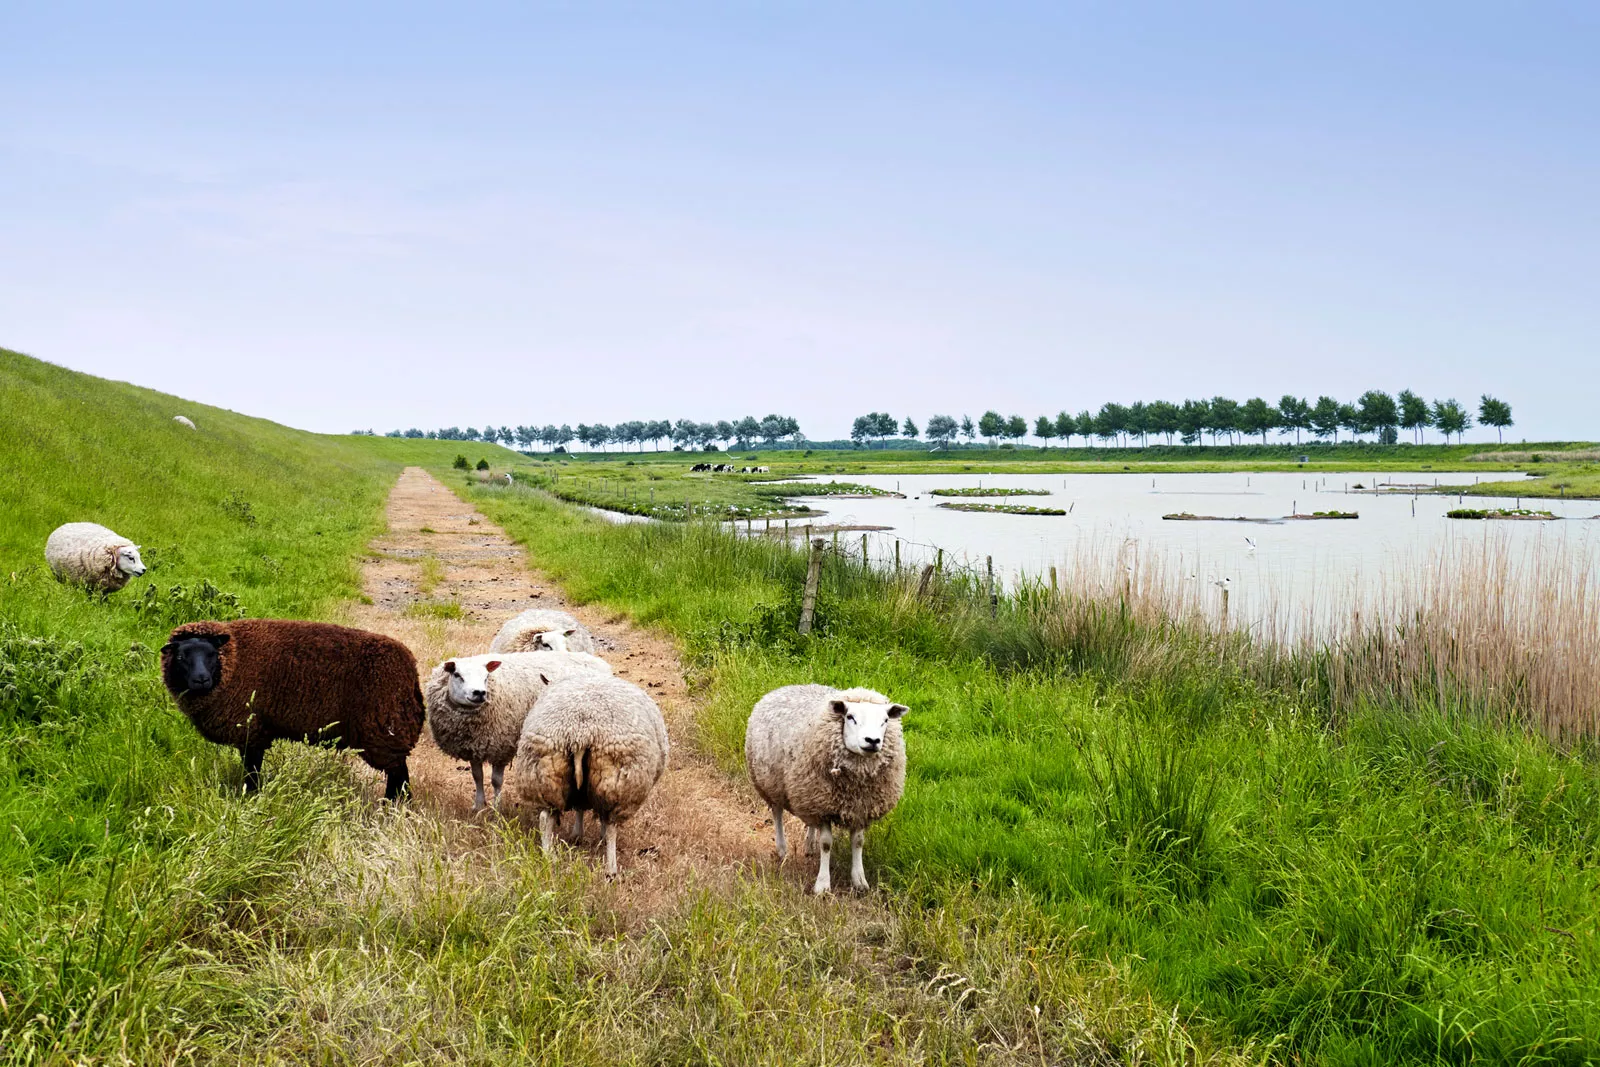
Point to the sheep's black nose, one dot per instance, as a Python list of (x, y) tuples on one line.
[(479, 695), (872, 743)]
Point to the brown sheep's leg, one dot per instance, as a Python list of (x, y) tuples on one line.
[(252, 756), (399, 782)]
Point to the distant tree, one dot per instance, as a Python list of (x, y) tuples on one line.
[(724, 430), (1451, 418), (1378, 413), (1325, 418), (773, 427), (471, 434), (888, 425), (483, 464), (564, 436), (1258, 417), (862, 429), (1496, 413), (1066, 426), (1414, 414), (1163, 418), (991, 426), (791, 429), (600, 435), (1110, 421), (1139, 421), (909, 429), (1016, 428), (1224, 418), (1350, 420), (968, 431), (942, 429), (1044, 428), (1085, 425), (747, 430), (1293, 414)]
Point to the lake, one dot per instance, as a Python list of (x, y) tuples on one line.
[(1120, 515)]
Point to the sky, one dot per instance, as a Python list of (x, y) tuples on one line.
[(345, 216)]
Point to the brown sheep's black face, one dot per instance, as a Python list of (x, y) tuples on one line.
[(195, 668)]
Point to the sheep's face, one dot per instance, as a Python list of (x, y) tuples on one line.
[(195, 668), (128, 561), (864, 723), (469, 681), (552, 641)]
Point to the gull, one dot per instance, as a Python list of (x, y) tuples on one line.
[(1251, 541), (1222, 583)]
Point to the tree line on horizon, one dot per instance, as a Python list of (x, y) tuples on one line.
[(684, 433), (1374, 412)]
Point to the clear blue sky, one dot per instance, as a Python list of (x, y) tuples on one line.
[(345, 216)]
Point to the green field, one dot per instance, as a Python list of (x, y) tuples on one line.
[(1396, 888), (149, 914)]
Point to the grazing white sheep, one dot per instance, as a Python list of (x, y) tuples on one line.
[(542, 629), (832, 757), (476, 705), (591, 743), (183, 420), (89, 554)]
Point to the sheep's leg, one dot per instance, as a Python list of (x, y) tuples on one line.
[(777, 825), (811, 840), (398, 783), (498, 779), (858, 873), (609, 828), (824, 870), (577, 825), (547, 829), (252, 756), (477, 782)]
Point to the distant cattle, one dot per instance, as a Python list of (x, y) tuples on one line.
[(701, 467)]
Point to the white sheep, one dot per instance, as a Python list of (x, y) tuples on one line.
[(183, 420), (479, 719), (591, 743), (542, 629), (833, 758), (89, 554)]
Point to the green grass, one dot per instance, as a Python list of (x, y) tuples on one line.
[(1005, 509), (670, 491), (1394, 887), (991, 491), (150, 914)]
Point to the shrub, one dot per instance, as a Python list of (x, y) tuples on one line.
[(483, 464), (462, 462)]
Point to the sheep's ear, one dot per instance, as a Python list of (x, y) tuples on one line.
[(449, 666), (569, 633), (544, 680), (838, 707), (492, 666), (217, 640), (897, 710)]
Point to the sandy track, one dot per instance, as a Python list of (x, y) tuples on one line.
[(696, 822)]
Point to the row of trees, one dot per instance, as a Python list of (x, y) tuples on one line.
[(1374, 413), (684, 432)]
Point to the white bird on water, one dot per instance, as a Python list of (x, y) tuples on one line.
[(1251, 541), (1222, 583)]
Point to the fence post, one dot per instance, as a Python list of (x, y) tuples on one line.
[(939, 561), (864, 562), (1224, 608), (994, 598), (927, 576), (1053, 587), (808, 604), (836, 544)]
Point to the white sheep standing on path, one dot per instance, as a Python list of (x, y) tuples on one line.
[(591, 743), (476, 706), (89, 554), (832, 757), (542, 629)]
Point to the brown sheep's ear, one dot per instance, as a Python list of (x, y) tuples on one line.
[(897, 710), (492, 666), (838, 707), (217, 640), (449, 666)]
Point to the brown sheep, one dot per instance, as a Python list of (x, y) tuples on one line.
[(252, 682)]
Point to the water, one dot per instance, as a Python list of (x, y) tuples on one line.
[(1121, 514)]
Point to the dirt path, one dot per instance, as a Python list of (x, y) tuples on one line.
[(439, 550)]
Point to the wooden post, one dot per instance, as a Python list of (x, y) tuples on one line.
[(927, 577), (808, 604), (1224, 608), (1053, 587), (836, 544), (864, 561), (994, 598), (939, 561), (897, 546)]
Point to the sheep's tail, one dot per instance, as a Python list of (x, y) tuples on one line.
[(580, 768)]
